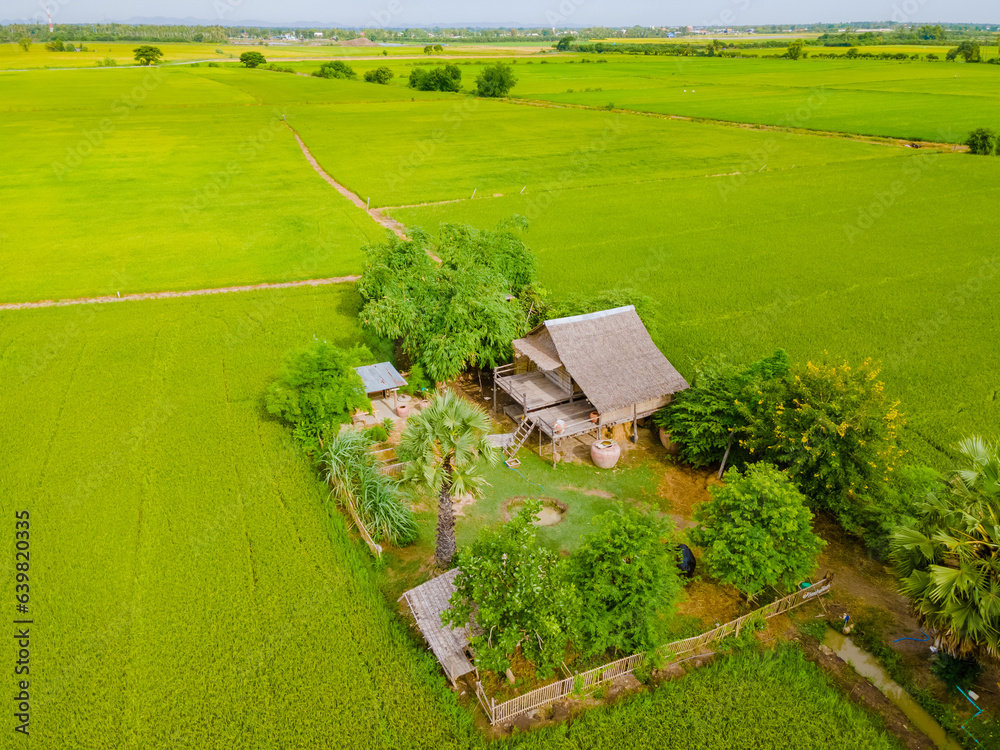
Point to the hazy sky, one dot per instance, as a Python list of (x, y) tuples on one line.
[(372, 13)]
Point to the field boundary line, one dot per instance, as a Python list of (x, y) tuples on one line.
[(172, 295), (877, 140), (391, 224)]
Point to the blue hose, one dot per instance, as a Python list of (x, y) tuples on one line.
[(917, 640), (525, 478), (971, 717)]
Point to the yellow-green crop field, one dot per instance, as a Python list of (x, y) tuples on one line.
[(189, 587)]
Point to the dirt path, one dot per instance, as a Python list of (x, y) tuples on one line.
[(169, 295), (872, 139), (391, 224)]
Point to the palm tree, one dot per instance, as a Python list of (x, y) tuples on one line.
[(447, 446), (948, 559)]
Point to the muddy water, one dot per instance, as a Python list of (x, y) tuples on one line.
[(868, 666), (547, 516)]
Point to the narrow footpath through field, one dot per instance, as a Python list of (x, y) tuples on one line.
[(169, 295)]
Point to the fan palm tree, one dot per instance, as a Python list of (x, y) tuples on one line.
[(948, 559), (447, 446)]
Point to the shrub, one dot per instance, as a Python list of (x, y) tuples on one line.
[(720, 403), (353, 473), (377, 433), (252, 59), (335, 69), (417, 384), (318, 389), (518, 593), (214, 65), (381, 74), (495, 80), (982, 141), (835, 431), (756, 531), (446, 78), (628, 581), (110, 62)]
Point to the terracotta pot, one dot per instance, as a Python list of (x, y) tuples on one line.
[(605, 453), (559, 426), (402, 410), (672, 447), (594, 416)]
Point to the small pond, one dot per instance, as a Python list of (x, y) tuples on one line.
[(552, 511)]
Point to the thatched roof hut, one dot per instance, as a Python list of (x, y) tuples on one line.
[(449, 645), (609, 354)]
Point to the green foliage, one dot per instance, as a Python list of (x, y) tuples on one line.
[(719, 409), (952, 670), (389, 426), (56, 45), (518, 594), (318, 390), (336, 69), (982, 141), (796, 50), (438, 78), (626, 574), (417, 384), (377, 433), (464, 312), (348, 465), (252, 59), (447, 449), (756, 531), (835, 431), (948, 557), (382, 74), (24, 43), (563, 44), (495, 80), (147, 54), (107, 62), (968, 50)]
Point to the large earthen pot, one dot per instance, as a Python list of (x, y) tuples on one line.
[(672, 447), (605, 453), (402, 410)]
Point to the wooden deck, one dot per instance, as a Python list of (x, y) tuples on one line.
[(575, 417), (532, 390)]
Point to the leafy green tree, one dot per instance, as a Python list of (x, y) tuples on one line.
[(852, 53), (252, 59), (982, 141), (519, 595), (719, 408), (948, 556), (447, 447), (336, 69), (756, 531), (445, 78), (796, 50), (429, 49), (24, 43), (626, 574), (835, 431), (495, 80), (55, 45), (381, 74), (462, 313), (147, 54), (563, 44), (967, 50), (318, 390), (438, 49)]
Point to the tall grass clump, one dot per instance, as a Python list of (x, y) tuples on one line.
[(352, 471)]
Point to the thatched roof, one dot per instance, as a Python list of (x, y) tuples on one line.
[(427, 602), (609, 354)]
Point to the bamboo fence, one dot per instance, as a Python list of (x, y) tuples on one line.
[(499, 713)]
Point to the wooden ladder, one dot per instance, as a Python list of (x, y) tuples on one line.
[(521, 434)]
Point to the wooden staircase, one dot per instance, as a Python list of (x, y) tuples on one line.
[(524, 429)]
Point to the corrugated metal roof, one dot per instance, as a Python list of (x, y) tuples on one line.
[(380, 377)]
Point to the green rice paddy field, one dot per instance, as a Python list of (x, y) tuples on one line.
[(188, 588), (189, 591)]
